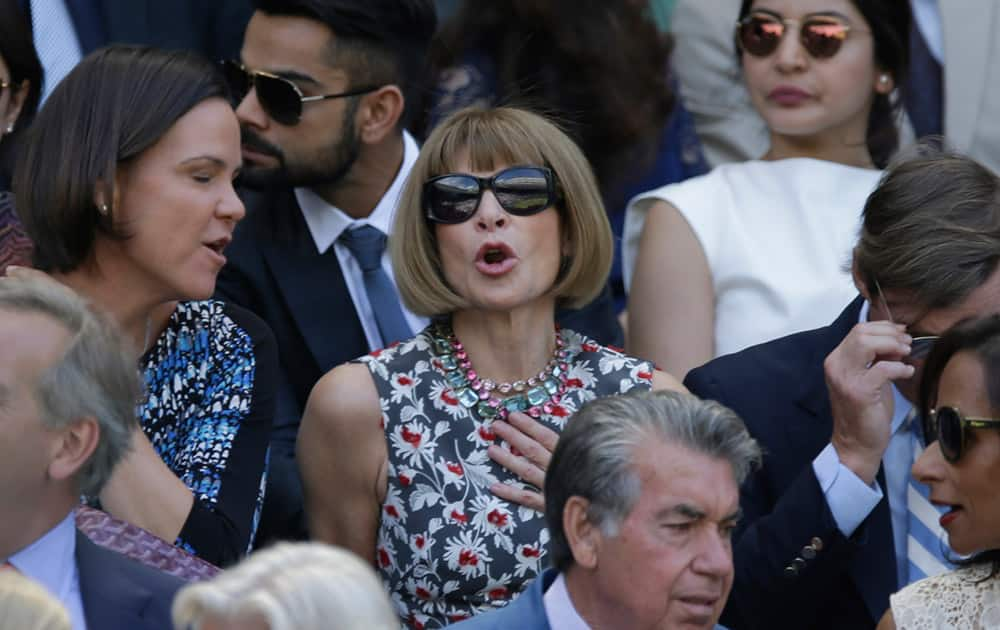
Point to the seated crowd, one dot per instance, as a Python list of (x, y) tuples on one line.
[(327, 334)]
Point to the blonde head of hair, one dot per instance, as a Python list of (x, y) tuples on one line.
[(26, 605), (291, 586), (488, 139)]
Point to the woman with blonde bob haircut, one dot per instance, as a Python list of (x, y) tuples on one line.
[(290, 586), (428, 456), (26, 605)]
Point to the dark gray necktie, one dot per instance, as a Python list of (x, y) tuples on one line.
[(367, 244)]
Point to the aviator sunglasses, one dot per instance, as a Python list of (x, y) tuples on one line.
[(760, 34), (520, 190), (950, 428), (279, 97)]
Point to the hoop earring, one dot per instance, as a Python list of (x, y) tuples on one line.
[(103, 209)]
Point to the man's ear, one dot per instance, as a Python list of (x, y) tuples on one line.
[(582, 535), (379, 113), (859, 282), (72, 447)]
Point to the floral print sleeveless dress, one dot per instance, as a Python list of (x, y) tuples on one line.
[(447, 547)]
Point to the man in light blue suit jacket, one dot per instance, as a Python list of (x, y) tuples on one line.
[(641, 496)]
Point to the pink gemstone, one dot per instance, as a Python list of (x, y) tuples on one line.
[(502, 414), (547, 407), (534, 412), (564, 367), (472, 376), (456, 344), (556, 399), (465, 365), (483, 395), (505, 388), (476, 385), (494, 402), (461, 356), (562, 388)]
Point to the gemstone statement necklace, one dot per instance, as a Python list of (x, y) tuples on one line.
[(534, 396)]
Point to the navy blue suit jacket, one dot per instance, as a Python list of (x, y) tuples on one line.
[(779, 390), (120, 593)]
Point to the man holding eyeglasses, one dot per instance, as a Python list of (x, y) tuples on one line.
[(834, 522), (323, 90)]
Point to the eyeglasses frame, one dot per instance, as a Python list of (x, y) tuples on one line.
[(253, 74), (786, 22), (553, 190), (933, 429)]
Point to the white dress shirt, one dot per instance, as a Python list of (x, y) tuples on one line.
[(326, 223), (559, 609), (51, 561)]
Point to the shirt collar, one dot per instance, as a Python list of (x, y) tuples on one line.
[(901, 407), (326, 222), (559, 609), (51, 558)]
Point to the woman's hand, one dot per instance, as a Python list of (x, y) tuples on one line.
[(531, 445)]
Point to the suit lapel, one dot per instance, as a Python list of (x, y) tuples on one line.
[(110, 599), (968, 27), (873, 568), (313, 287)]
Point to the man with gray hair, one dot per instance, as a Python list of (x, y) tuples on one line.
[(68, 390), (641, 497)]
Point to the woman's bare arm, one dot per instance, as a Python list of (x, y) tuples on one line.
[(671, 306), (343, 457)]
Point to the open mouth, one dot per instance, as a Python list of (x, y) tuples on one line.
[(218, 245), (495, 259), (494, 256), (951, 512)]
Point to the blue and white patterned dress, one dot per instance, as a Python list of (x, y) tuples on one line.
[(210, 380), (447, 547)]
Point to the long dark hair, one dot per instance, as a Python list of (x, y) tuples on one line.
[(18, 51), (889, 21), (982, 338), (600, 67), (115, 104)]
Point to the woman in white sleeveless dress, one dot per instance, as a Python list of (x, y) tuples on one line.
[(757, 250)]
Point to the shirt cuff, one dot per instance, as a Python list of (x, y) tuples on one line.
[(850, 499)]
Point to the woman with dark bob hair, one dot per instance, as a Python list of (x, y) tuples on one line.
[(960, 405), (756, 250), (500, 221), (126, 189)]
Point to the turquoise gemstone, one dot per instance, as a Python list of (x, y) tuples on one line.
[(551, 386), (515, 403), (442, 346), (484, 411), (448, 362), (467, 397), (536, 396), (456, 379)]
